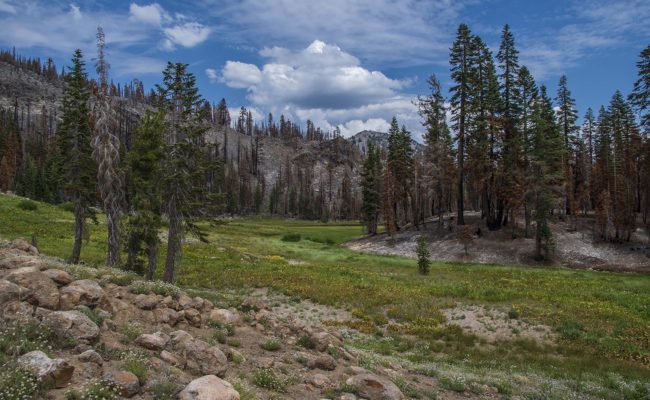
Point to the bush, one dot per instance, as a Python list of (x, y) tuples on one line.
[(291, 237), (124, 279), (28, 205), (20, 338), (164, 390), (455, 384), (67, 206), (266, 378), (157, 287), (17, 384), (271, 345), (306, 341), (136, 363)]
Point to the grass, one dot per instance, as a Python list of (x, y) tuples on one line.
[(602, 319), (271, 345)]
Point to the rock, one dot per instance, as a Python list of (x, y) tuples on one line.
[(347, 396), (109, 325), (184, 301), (172, 358), (209, 387), (42, 291), (9, 291), (324, 362), (228, 317), (180, 337), (112, 305), (56, 372), (91, 356), (233, 354), (85, 292), (18, 261), (324, 339), (193, 317), (22, 245), (17, 311), (201, 356), (59, 277), (72, 325), (373, 387), (156, 363), (254, 304), (165, 316), (197, 303), (41, 312), (265, 362), (320, 381), (155, 341), (146, 301), (124, 382)]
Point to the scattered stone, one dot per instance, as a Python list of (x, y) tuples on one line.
[(373, 387), (209, 387), (146, 301), (165, 316), (324, 339), (85, 292), (265, 362), (193, 317), (324, 362), (124, 382), (23, 261), (17, 310), (201, 356), (9, 291), (180, 337), (42, 291), (254, 304), (56, 372), (228, 317), (184, 301), (72, 325), (320, 381), (347, 396), (59, 277), (172, 358), (91, 356), (22, 245), (154, 341)]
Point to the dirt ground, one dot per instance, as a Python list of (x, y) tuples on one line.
[(575, 249)]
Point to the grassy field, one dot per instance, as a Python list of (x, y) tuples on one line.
[(602, 319)]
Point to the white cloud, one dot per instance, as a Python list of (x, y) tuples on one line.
[(325, 84), (152, 14), (6, 7), (75, 12), (188, 34), (212, 74)]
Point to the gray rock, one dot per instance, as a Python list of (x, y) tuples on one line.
[(154, 341), (41, 290), (372, 387), (22, 245), (228, 317), (209, 387), (9, 291), (59, 276), (56, 372), (124, 382), (91, 356), (86, 292), (72, 325)]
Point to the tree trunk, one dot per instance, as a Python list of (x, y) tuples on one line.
[(152, 250), (527, 220), (78, 229), (113, 225), (173, 241)]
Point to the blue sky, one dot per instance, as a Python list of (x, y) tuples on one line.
[(349, 63)]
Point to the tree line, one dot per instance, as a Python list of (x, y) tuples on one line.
[(512, 152)]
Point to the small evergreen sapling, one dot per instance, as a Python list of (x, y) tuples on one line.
[(423, 255)]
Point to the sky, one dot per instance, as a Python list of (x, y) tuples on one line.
[(348, 63)]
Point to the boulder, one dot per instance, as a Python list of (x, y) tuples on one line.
[(72, 325), (9, 291), (172, 358), (165, 316), (324, 362), (22, 245), (324, 339), (41, 290), (227, 317), (17, 261), (91, 356), (372, 387), (56, 372), (254, 304), (146, 301), (320, 381), (193, 317), (125, 383), (209, 387), (180, 337), (154, 341), (184, 301), (17, 311), (59, 276), (203, 357), (86, 292)]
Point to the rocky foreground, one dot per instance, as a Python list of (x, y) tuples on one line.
[(72, 332)]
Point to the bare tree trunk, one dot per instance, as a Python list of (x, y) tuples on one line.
[(527, 219), (153, 259), (78, 230), (173, 241)]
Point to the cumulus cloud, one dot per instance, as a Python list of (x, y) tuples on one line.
[(188, 34), (6, 7), (322, 83), (152, 14), (75, 12), (212, 74)]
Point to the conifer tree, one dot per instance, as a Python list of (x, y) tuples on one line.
[(460, 59), (400, 162), (567, 116), (422, 251), (371, 189), (106, 153), (145, 161), (640, 96), (184, 164)]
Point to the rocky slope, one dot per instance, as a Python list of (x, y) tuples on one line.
[(81, 331)]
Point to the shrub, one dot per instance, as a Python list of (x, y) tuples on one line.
[(94, 316), (306, 341), (136, 363), (124, 279), (271, 345), (93, 390), (455, 384), (156, 287), (571, 330), (27, 205), (20, 338), (423, 255), (513, 313), (67, 206), (291, 237), (164, 390), (17, 384), (234, 342), (131, 332), (266, 378)]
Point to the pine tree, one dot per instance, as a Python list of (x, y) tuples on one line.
[(371, 175), (76, 164), (184, 164), (400, 162), (145, 163), (106, 153), (567, 116), (460, 59), (546, 165), (640, 96)]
